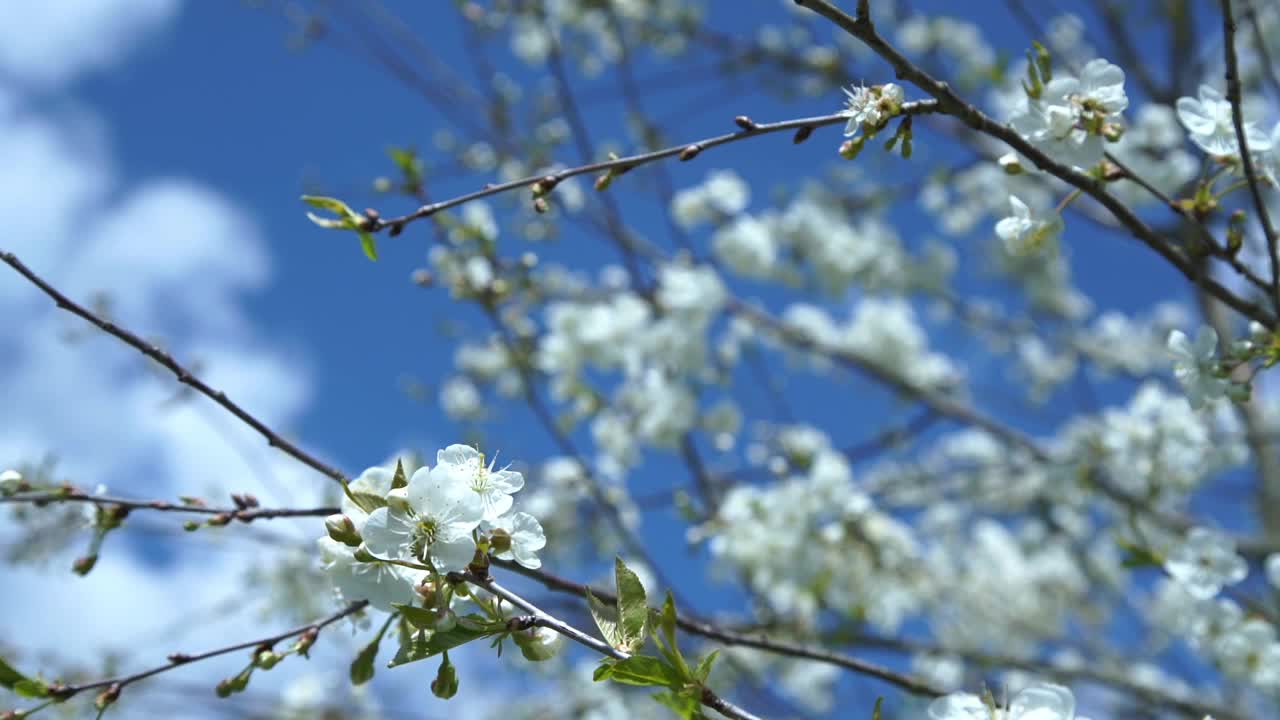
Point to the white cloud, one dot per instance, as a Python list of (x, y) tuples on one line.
[(48, 42), (176, 259)]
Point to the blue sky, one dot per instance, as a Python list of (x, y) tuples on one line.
[(161, 148)]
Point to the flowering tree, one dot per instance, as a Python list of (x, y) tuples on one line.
[(933, 475)]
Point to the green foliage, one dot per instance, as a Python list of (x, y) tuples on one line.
[(347, 219), (627, 626), (422, 644)]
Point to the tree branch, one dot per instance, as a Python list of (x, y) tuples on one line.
[(1246, 159), (708, 698), (184, 376), (950, 103)]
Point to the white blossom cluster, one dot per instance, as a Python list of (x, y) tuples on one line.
[(1072, 116), (1191, 606), (815, 540), (388, 541)]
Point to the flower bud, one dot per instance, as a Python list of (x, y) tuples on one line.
[(1011, 165), (427, 591), (84, 564), (305, 641), (538, 644), (499, 541), (107, 697), (266, 659), (849, 149), (341, 529), (10, 482), (398, 499)]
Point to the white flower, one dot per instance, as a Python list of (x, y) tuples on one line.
[(380, 583), (492, 487), (870, 106), (747, 245), (1023, 233), (1042, 701), (723, 194), (1271, 159), (527, 538), (1195, 365), (10, 480), (431, 520), (1273, 570), (1205, 562), (1249, 651), (696, 290), (726, 192), (1208, 119), (460, 398), (372, 486), (1067, 120)]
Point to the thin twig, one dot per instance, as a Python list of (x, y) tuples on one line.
[(759, 642), (64, 692), (184, 376), (245, 514), (623, 164), (1246, 159), (862, 28), (708, 697)]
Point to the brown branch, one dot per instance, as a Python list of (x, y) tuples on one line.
[(950, 103), (906, 682), (1246, 160), (686, 151), (541, 618), (243, 514), (65, 692), (184, 376)]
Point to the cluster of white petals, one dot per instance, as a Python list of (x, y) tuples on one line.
[(1067, 121), (388, 539)]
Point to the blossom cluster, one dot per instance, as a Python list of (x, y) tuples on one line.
[(391, 538)]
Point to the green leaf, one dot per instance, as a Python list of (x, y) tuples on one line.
[(604, 670), (419, 649), (446, 683), (667, 624), (334, 205), (633, 608), (31, 688), (606, 618), (421, 618), (331, 223), (1137, 556), (368, 245), (413, 647), (685, 705), (399, 480), (9, 676), (646, 670), (362, 667), (367, 502), (704, 666), (875, 711)]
